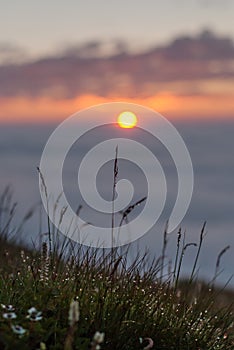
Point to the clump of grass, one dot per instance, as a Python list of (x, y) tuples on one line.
[(66, 296)]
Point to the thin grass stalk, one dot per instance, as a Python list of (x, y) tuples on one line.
[(217, 265), (116, 171), (164, 251), (177, 254), (185, 246), (129, 209), (47, 204), (198, 252)]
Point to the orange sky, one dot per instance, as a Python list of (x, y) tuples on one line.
[(41, 109)]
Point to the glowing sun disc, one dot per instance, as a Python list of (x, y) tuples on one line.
[(127, 119)]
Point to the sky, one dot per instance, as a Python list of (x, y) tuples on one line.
[(58, 57), (42, 26), (175, 56)]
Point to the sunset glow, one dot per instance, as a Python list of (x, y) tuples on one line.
[(174, 107)]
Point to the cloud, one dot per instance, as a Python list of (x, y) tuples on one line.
[(185, 66), (206, 46), (95, 49), (11, 54)]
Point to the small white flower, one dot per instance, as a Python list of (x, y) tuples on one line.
[(34, 315), (74, 313), (99, 337), (32, 310), (8, 308), (9, 315), (18, 330)]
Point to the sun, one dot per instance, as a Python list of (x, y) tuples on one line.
[(127, 120)]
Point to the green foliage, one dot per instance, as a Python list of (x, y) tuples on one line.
[(129, 302)]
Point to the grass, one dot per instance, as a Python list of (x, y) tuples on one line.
[(81, 295)]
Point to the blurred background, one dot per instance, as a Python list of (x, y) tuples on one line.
[(176, 57)]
